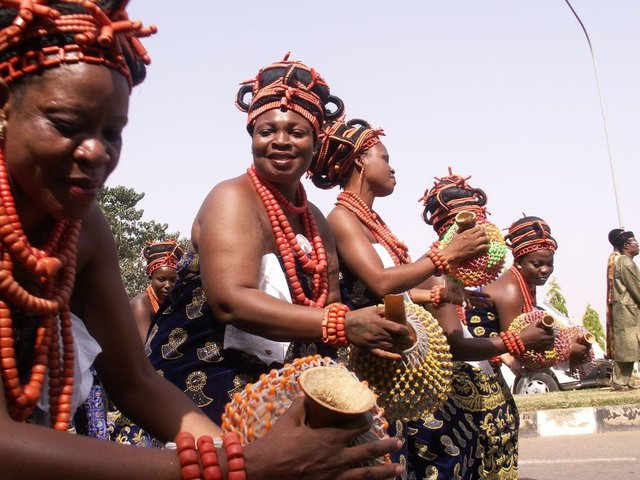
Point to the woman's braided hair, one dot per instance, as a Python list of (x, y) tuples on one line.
[(341, 144), (448, 196)]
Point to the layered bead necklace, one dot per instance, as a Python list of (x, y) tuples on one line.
[(528, 298), (55, 267), (153, 298), (383, 235), (315, 263)]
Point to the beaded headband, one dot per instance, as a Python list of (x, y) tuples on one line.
[(162, 254), (443, 215), (289, 85), (45, 34), (342, 143), (530, 234)]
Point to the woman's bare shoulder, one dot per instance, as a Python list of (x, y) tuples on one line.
[(503, 288)]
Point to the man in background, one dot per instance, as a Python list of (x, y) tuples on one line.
[(623, 308)]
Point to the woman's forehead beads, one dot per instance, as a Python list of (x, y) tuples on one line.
[(341, 144), (289, 85), (38, 35)]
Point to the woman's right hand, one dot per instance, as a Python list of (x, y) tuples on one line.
[(367, 328), (292, 450), (466, 244), (537, 337)]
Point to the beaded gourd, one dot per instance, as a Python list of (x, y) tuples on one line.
[(417, 384), (252, 412), (532, 360), (582, 368), (483, 268)]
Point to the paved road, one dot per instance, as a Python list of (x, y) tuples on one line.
[(602, 456)]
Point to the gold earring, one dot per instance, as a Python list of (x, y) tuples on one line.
[(361, 179)]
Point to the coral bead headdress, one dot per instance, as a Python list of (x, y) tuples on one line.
[(530, 234), (162, 254), (342, 143), (45, 34), (289, 85)]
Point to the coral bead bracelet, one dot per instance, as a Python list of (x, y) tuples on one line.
[(333, 324), (436, 256), (202, 462), (435, 295)]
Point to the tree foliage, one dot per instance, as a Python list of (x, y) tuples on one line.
[(591, 321), (556, 298), (119, 205)]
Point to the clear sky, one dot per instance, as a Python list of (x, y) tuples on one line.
[(502, 90)]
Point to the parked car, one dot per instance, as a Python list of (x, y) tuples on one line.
[(596, 374)]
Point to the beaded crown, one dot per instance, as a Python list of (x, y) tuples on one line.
[(39, 34), (530, 234), (162, 254), (448, 196), (341, 144), (289, 85)]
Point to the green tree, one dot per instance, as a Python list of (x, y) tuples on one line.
[(555, 297), (119, 205), (591, 321)]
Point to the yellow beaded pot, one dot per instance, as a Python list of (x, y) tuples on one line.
[(417, 384), (253, 411)]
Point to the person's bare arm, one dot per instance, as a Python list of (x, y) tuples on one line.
[(234, 235), (359, 255), (141, 308), (465, 348)]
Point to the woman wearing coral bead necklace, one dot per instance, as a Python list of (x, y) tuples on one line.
[(373, 262), (479, 402), (67, 69), (162, 259), (265, 275)]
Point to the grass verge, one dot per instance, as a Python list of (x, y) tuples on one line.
[(591, 397)]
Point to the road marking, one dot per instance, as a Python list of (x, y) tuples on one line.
[(578, 460)]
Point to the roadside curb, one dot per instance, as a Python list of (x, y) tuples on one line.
[(580, 421)]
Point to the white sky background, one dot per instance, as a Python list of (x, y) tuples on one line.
[(503, 90)]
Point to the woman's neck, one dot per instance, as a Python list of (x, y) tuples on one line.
[(365, 195), (35, 223)]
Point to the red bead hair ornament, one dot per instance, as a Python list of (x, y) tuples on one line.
[(452, 205), (289, 85), (99, 36)]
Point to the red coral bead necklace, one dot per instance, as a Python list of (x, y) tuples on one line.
[(314, 263), (55, 266)]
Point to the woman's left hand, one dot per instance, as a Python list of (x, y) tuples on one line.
[(466, 298), (579, 351), (367, 328)]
